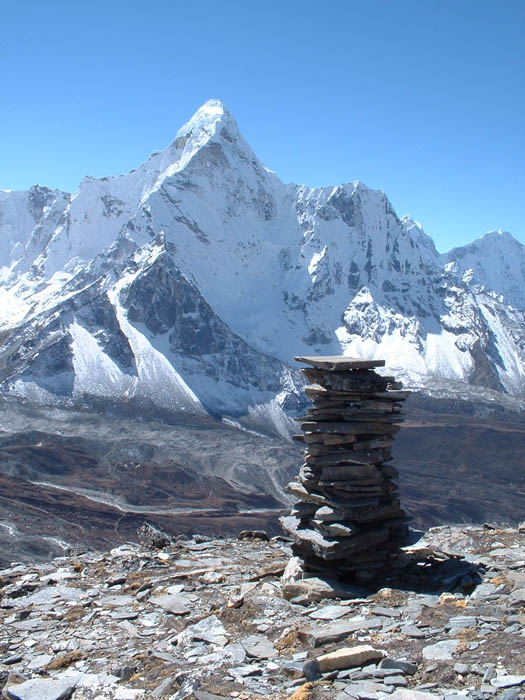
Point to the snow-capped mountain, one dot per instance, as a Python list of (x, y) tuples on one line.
[(191, 282)]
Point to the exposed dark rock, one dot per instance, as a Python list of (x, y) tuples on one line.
[(152, 537)]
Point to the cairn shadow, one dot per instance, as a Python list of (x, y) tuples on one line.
[(429, 570), (435, 574)]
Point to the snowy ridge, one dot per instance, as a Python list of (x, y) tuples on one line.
[(495, 261), (191, 282)]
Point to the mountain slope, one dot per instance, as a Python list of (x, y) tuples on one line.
[(191, 282), (496, 261)]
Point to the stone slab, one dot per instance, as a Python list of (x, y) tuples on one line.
[(174, 604), (348, 657), (317, 636), (338, 362), (440, 651), (42, 689), (259, 647)]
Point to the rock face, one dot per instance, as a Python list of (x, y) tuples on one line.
[(348, 519), (190, 282), (93, 626)]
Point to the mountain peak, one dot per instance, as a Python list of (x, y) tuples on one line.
[(418, 234), (208, 118), (499, 234), (492, 239)]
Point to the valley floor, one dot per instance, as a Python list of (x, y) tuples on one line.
[(86, 479)]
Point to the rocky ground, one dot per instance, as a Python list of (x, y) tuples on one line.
[(206, 618)]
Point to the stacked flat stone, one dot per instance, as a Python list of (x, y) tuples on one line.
[(348, 519)]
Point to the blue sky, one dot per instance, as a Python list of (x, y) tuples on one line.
[(424, 99)]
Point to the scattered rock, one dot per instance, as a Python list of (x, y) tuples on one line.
[(463, 669), (440, 651), (187, 689), (293, 571), (152, 537), (210, 630), (489, 674), (124, 673), (42, 689), (399, 664), (386, 612), (10, 660), (313, 589), (174, 604), (407, 694), (39, 662), (85, 626), (507, 681), (312, 670), (517, 597), (259, 647), (204, 695), (317, 636), (348, 657), (163, 688), (329, 612)]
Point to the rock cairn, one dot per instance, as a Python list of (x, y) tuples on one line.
[(348, 519)]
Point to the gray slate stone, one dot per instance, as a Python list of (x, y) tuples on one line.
[(10, 660), (42, 689), (314, 589), (403, 665), (461, 622), (389, 675), (39, 662), (124, 672), (204, 695), (414, 632), (386, 612), (232, 653), (407, 694), (509, 694), (163, 688), (484, 590), (517, 597), (461, 668), (187, 689), (117, 601), (174, 604), (124, 615), (329, 612), (397, 681), (507, 681), (45, 596), (30, 625), (210, 630), (440, 651), (316, 636), (259, 647), (367, 690), (245, 671), (489, 674)]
